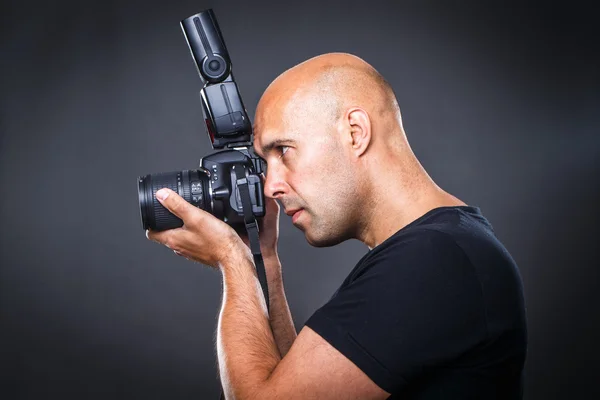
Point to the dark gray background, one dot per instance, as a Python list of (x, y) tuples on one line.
[(500, 103)]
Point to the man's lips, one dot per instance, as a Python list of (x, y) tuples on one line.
[(294, 213)]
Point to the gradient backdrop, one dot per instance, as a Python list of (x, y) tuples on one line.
[(500, 103)]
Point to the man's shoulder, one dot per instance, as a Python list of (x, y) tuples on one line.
[(443, 237), (445, 229), (419, 251), (439, 226)]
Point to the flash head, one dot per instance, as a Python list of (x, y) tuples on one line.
[(224, 113), (208, 49)]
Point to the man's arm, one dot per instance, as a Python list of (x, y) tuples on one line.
[(280, 316), (244, 335), (250, 364)]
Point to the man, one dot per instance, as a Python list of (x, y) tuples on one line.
[(433, 311)]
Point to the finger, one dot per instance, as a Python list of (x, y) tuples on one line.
[(161, 237), (175, 203)]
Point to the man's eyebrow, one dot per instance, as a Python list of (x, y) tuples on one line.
[(268, 147)]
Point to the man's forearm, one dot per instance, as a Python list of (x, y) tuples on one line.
[(246, 348), (280, 316)]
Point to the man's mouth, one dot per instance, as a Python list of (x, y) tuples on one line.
[(294, 213), (296, 216)]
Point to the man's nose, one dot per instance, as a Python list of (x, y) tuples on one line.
[(275, 185)]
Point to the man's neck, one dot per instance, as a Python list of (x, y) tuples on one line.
[(394, 209)]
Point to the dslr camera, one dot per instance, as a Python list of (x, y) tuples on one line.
[(227, 183)]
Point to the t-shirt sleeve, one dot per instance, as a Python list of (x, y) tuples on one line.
[(413, 305)]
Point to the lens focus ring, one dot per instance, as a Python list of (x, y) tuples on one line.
[(163, 217), (193, 186)]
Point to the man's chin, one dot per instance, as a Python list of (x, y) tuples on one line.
[(316, 238), (317, 241)]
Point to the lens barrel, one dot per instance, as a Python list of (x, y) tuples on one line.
[(193, 185)]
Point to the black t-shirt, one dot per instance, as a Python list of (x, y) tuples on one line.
[(436, 311)]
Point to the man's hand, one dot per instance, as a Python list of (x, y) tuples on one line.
[(202, 238)]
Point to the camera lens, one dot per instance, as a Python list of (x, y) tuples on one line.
[(193, 185)]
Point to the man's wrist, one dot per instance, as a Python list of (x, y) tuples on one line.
[(272, 267), (270, 255), (237, 253)]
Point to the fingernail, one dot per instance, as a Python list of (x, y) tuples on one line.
[(162, 194)]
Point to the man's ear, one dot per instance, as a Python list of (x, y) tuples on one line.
[(360, 130)]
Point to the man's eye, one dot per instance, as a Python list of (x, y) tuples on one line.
[(284, 150)]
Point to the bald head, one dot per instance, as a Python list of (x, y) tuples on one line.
[(337, 157), (323, 87)]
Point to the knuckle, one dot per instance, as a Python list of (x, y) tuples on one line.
[(176, 206), (194, 221), (169, 242)]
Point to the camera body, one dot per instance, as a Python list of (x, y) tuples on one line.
[(227, 199), (220, 184)]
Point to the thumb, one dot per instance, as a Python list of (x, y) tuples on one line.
[(174, 203)]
